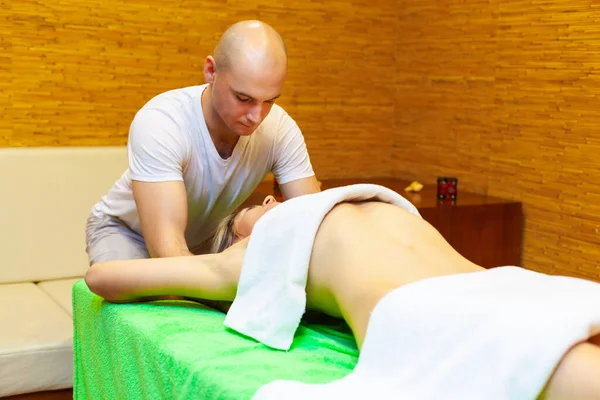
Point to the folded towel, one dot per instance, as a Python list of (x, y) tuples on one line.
[(271, 294), (495, 334)]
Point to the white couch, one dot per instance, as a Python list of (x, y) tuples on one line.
[(45, 197)]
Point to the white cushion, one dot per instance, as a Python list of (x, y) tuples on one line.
[(46, 195), (36, 341), (60, 291)]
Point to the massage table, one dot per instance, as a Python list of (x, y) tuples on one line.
[(181, 350), (491, 334)]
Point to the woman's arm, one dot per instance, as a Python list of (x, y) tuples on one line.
[(210, 276)]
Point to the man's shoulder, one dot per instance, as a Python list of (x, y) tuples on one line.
[(175, 107), (174, 99), (277, 120), (278, 111)]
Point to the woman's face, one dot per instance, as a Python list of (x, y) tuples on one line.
[(246, 219)]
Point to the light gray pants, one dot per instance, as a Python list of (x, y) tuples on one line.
[(108, 238)]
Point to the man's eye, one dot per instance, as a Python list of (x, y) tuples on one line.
[(243, 100)]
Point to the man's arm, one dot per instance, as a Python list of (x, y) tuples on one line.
[(209, 277), (300, 187), (163, 211), (291, 160)]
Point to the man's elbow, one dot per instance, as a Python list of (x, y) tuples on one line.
[(301, 187)]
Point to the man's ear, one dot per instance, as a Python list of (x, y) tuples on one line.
[(210, 69)]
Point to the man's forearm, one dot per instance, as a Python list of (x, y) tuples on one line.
[(173, 248), (172, 252)]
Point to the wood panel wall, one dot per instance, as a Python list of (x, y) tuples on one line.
[(76, 72), (505, 95), (502, 94)]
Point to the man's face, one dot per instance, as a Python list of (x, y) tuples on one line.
[(243, 96)]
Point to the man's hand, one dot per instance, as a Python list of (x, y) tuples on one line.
[(163, 211), (300, 187)]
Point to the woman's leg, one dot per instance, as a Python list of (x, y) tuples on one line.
[(578, 374)]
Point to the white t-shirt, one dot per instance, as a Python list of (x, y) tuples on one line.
[(169, 140)]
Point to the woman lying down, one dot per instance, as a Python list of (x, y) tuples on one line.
[(429, 323)]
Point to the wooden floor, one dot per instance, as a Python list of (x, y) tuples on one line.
[(48, 395)]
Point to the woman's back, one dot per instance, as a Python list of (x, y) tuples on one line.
[(364, 250)]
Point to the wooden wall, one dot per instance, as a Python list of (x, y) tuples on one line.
[(505, 95), (76, 72)]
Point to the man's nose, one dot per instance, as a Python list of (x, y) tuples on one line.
[(254, 114)]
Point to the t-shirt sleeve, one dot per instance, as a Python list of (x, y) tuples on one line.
[(156, 147), (291, 159)]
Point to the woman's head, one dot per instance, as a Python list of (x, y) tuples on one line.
[(239, 225)]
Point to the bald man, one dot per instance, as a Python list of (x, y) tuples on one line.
[(196, 153)]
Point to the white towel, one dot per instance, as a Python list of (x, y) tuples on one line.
[(271, 294), (495, 334)]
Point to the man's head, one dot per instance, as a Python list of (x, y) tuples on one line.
[(246, 74)]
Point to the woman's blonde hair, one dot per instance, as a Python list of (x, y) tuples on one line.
[(224, 235)]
